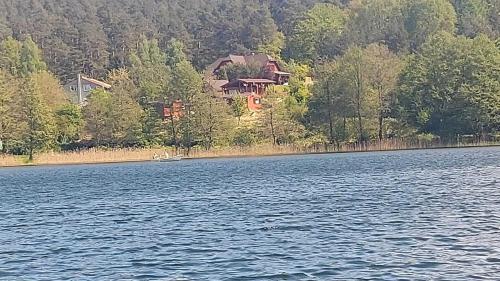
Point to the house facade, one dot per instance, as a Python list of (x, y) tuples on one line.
[(79, 89), (270, 68), (253, 88)]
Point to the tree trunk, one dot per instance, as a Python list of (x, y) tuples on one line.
[(211, 126), (174, 133), (189, 141), (344, 127), (272, 128), (330, 117), (380, 126), (360, 120), (359, 92), (359, 95), (380, 114), (30, 150)]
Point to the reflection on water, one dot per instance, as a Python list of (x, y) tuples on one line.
[(419, 215)]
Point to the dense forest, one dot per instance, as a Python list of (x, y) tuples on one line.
[(95, 36), (382, 69)]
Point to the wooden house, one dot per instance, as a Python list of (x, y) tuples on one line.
[(253, 88)]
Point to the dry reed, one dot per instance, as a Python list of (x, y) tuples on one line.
[(10, 161), (92, 156), (96, 156), (386, 145)]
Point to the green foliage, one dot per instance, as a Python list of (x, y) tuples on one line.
[(244, 137), (29, 96), (277, 119), (10, 60), (114, 119), (212, 121), (357, 92), (379, 21), (185, 86), (9, 111), (477, 16), (298, 87), (70, 123), (39, 125), (149, 70), (239, 107), (50, 90), (453, 86), (154, 50), (186, 82), (153, 129), (21, 58), (175, 53), (382, 68), (31, 58), (101, 37), (274, 46), (423, 18), (126, 114), (330, 107), (317, 34), (98, 116)]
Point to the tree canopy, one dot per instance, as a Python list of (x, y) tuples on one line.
[(95, 36), (361, 71)]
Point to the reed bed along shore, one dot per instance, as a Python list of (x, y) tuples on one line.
[(270, 150), (90, 156), (95, 156)]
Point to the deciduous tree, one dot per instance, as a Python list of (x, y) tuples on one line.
[(453, 86), (317, 35)]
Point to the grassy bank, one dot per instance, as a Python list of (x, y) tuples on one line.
[(94, 156)]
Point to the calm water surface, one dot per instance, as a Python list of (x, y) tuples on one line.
[(414, 215)]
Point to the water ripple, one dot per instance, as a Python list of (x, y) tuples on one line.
[(414, 215)]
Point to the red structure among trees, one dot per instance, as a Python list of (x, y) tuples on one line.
[(248, 76)]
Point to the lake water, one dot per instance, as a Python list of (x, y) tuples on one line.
[(412, 215)]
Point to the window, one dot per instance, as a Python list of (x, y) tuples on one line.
[(87, 88), (72, 88)]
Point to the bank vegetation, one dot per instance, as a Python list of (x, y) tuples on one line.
[(387, 75)]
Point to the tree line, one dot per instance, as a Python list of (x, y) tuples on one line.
[(382, 69), (95, 36)]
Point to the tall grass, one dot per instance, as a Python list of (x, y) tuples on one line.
[(92, 156), (10, 160), (385, 145), (98, 156)]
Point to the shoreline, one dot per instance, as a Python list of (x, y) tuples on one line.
[(207, 156)]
